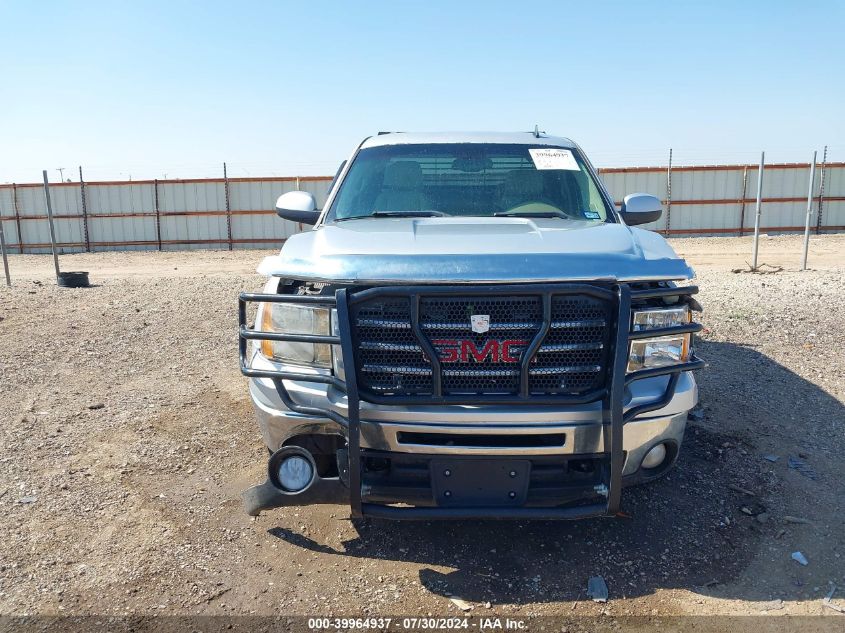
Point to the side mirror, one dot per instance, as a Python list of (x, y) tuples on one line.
[(640, 208), (298, 206)]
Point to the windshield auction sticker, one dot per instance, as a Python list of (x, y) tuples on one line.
[(548, 158)]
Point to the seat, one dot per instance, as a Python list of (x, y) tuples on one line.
[(402, 188), (522, 186)]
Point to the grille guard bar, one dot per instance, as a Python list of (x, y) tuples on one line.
[(546, 291), (612, 395)]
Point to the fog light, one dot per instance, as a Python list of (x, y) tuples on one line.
[(295, 473), (654, 457)]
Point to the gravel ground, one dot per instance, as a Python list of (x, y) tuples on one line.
[(126, 437)]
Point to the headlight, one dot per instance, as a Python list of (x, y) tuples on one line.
[(662, 317), (295, 319), (661, 350)]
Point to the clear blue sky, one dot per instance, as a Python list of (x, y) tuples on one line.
[(152, 88)]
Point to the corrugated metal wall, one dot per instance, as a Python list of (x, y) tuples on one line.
[(152, 214), (721, 199), (192, 214)]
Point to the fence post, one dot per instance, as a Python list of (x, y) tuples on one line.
[(742, 201), (158, 213), (758, 210), (50, 221), (3, 250), (299, 224), (668, 194), (809, 214), (228, 208), (821, 193), (17, 216), (84, 211)]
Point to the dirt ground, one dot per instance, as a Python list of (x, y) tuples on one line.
[(126, 437)]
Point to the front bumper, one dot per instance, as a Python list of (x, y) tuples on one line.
[(650, 406), (641, 435), (459, 430)]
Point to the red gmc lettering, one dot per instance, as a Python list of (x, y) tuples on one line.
[(507, 357), (465, 351), (447, 350), (468, 348)]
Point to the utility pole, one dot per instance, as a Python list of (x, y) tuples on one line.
[(61, 171)]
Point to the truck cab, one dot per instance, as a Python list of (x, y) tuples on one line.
[(471, 329)]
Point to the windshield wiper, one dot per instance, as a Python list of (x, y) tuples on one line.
[(530, 214), (396, 214), (429, 213)]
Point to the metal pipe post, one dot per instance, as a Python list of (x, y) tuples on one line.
[(668, 194), (228, 207), (158, 212), (3, 250), (809, 214), (50, 221), (299, 225), (758, 210), (84, 211), (742, 201), (17, 217), (821, 193)]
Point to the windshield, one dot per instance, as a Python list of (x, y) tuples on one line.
[(469, 179)]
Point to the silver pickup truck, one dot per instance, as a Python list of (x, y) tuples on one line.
[(471, 329)]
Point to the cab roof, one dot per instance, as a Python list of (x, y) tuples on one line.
[(416, 138)]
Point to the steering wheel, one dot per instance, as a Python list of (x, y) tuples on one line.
[(534, 206)]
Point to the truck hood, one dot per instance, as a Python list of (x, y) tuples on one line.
[(475, 250)]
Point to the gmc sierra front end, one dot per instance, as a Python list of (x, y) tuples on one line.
[(471, 330)]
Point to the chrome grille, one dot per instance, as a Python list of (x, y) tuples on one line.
[(391, 360), (581, 348)]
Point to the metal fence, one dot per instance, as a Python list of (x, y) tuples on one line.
[(227, 213), (720, 199)]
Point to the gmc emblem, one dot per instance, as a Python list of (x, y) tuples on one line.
[(466, 351)]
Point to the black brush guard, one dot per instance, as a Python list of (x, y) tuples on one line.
[(611, 395)]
